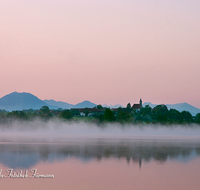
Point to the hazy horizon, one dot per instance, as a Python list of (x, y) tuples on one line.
[(104, 104)]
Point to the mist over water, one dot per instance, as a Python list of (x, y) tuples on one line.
[(53, 129), (24, 144)]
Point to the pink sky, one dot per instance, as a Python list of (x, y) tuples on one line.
[(103, 51)]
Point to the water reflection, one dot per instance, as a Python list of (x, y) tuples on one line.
[(27, 154)]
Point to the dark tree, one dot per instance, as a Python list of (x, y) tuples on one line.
[(44, 110), (145, 110), (123, 116), (18, 115), (160, 113), (108, 115), (174, 116), (99, 107), (128, 107), (66, 114), (22, 115), (86, 111), (75, 112), (197, 118), (186, 116)]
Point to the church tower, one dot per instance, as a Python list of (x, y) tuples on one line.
[(140, 102)]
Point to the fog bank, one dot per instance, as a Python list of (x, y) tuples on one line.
[(60, 129)]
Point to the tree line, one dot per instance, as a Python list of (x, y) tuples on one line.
[(159, 114)]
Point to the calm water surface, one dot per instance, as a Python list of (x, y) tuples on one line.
[(103, 163)]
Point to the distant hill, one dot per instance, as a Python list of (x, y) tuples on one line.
[(184, 106), (113, 106), (64, 105), (59, 104), (150, 104), (85, 104), (20, 101), (180, 107)]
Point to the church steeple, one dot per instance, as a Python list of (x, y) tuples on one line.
[(140, 102)]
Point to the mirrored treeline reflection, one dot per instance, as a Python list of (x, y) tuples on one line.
[(28, 154)]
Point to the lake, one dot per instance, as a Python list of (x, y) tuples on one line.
[(87, 157), (101, 163)]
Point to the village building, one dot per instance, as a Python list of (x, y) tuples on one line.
[(82, 114), (137, 107)]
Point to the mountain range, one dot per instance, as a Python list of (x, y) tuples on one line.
[(64, 105), (20, 101), (24, 100)]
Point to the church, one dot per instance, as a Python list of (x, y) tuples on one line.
[(137, 106)]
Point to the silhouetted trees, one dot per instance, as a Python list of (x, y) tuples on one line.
[(186, 116), (159, 114), (145, 110), (124, 116), (44, 110), (197, 118), (99, 107), (17, 115), (108, 115), (128, 107), (66, 114)]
